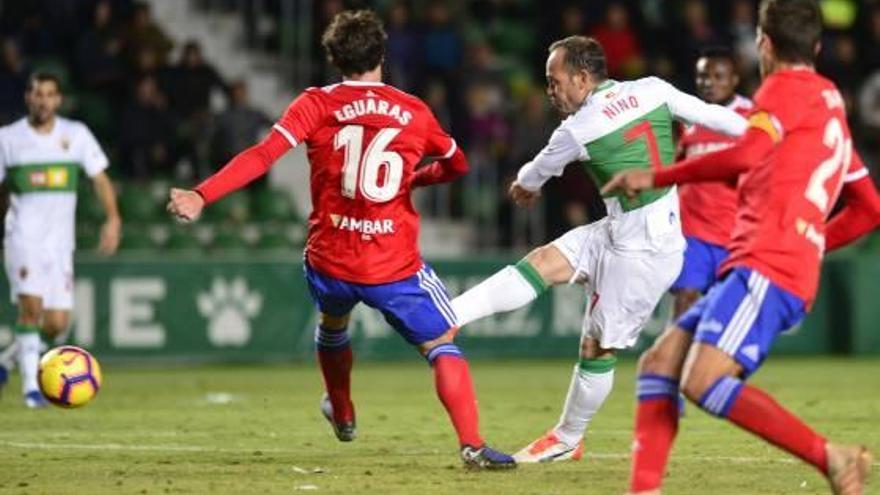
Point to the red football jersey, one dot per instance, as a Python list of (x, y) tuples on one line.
[(785, 201), (364, 142), (708, 209)]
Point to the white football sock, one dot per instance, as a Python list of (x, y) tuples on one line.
[(587, 392), (511, 288), (28, 359)]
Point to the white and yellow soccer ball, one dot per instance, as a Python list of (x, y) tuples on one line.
[(69, 376)]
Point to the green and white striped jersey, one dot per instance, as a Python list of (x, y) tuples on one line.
[(625, 125), (41, 172)]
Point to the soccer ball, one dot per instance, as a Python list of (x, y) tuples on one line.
[(69, 376)]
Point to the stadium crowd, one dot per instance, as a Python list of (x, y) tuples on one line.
[(479, 64)]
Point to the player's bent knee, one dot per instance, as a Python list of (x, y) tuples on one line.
[(55, 322), (447, 338), (684, 299), (700, 379), (331, 322), (591, 349), (551, 264)]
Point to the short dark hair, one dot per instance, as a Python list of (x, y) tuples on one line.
[(583, 53), (718, 52), (41, 77), (355, 41), (794, 27)]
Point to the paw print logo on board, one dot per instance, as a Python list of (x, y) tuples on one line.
[(229, 307)]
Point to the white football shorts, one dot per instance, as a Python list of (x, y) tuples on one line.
[(41, 272)]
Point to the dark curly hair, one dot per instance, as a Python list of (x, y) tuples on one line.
[(355, 41)]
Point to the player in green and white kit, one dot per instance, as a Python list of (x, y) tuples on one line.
[(40, 159), (627, 260)]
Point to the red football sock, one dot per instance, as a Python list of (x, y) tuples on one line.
[(757, 412), (452, 378), (656, 426), (336, 369)]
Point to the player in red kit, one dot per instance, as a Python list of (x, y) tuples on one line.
[(708, 209), (791, 165), (364, 141)]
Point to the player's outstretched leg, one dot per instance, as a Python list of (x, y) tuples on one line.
[(657, 410), (511, 288), (514, 286), (591, 382), (452, 379), (335, 359), (710, 384)]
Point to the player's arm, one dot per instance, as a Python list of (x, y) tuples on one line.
[(95, 163), (720, 166), (692, 110), (297, 123), (445, 169), (551, 161), (245, 167), (111, 230), (861, 215), (451, 162)]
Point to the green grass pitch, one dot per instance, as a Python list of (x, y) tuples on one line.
[(257, 429)]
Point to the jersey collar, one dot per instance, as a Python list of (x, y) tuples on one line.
[(362, 83), (605, 85)]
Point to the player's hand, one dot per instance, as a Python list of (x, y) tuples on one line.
[(185, 205), (110, 235), (630, 183), (523, 197)]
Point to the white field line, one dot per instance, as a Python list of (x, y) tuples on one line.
[(196, 448)]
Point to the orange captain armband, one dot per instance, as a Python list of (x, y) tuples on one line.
[(767, 123)]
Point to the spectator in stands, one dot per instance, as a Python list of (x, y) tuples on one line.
[(435, 97), (188, 87), (483, 69), (237, 127), (191, 83), (145, 133), (869, 57), (839, 63), (442, 42), (99, 55), (34, 37), (442, 58), (698, 33), (531, 130), (742, 35), (869, 115), (143, 33), (572, 21), (13, 82), (403, 55), (622, 51), (146, 63)]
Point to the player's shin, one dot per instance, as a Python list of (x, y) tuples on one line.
[(27, 339), (335, 359), (591, 383), (452, 379), (511, 288), (655, 430), (753, 410)]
